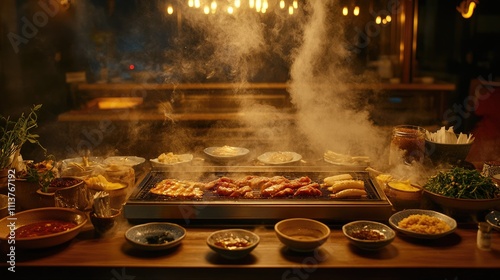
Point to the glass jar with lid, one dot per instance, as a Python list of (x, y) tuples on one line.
[(407, 145)]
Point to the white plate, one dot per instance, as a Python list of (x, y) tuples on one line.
[(124, 160), (279, 157), (346, 160), (397, 217), (226, 152), (182, 158)]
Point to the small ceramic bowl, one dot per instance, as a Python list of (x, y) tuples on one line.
[(301, 234), (105, 225), (233, 243), (447, 153), (155, 236), (404, 195), (368, 235)]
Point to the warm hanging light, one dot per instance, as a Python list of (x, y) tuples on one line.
[(290, 10), (206, 10), (251, 4), (237, 3), (170, 9), (295, 4), (258, 5), (466, 7), (388, 18), (355, 12), (230, 10), (345, 11), (197, 3), (378, 20), (191, 3), (213, 5), (282, 4)]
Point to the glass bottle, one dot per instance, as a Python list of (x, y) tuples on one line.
[(407, 145), (484, 236)]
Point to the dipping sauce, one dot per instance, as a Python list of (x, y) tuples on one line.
[(64, 182), (303, 233), (403, 186), (44, 228), (232, 243), (407, 145), (368, 234)]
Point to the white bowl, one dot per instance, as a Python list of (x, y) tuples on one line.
[(301, 234)]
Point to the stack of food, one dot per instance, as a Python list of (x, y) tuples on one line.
[(344, 186)]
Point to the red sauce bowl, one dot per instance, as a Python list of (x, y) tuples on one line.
[(28, 217)]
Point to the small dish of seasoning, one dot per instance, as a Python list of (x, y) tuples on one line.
[(368, 235), (155, 236), (233, 243)]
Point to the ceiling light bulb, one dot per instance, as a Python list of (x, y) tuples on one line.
[(345, 11), (356, 11)]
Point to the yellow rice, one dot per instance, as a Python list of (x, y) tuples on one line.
[(424, 224)]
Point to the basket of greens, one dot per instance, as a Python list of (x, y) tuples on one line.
[(463, 189)]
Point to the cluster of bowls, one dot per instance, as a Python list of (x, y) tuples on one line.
[(297, 234)]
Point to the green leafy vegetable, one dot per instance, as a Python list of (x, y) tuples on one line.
[(14, 133), (462, 183)]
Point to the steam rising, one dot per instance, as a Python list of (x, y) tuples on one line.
[(327, 109), (329, 114), (236, 48)]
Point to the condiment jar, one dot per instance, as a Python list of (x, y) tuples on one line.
[(484, 236), (407, 145)]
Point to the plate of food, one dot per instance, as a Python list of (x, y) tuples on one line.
[(167, 159), (345, 160), (493, 218), (276, 158), (124, 160), (424, 224), (226, 152)]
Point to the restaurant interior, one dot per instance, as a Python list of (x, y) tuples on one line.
[(135, 79), (187, 70)]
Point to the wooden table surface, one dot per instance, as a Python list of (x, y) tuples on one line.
[(90, 256)]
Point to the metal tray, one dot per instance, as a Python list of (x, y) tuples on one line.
[(144, 205)]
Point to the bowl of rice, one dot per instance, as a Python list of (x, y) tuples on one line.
[(425, 224)]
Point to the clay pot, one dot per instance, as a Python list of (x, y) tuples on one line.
[(26, 194), (29, 195)]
